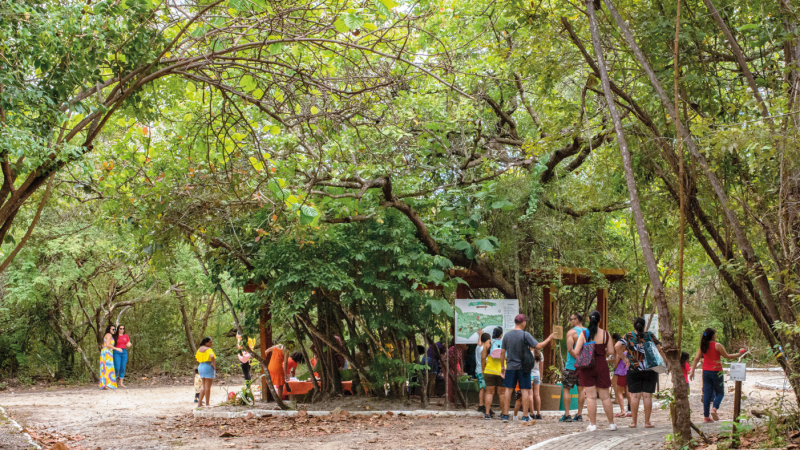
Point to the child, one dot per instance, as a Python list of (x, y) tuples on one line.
[(198, 383), (685, 367)]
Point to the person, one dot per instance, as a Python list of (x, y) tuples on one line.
[(123, 342), (536, 381), (713, 383), (492, 366), (432, 361), (484, 340), (278, 362), (515, 342), (620, 382), (244, 355), (595, 380), (207, 368), (570, 378), (108, 376), (686, 368), (294, 359), (455, 360), (641, 380), (198, 384)]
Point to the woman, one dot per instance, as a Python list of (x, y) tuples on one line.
[(595, 379), (207, 368), (123, 342), (108, 376), (244, 355), (713, 383), (620, 382), (294, 359), (493, 366), (641, 381), (536, 381), (278, 367)]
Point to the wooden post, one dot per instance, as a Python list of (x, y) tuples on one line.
[(547, 312), (462, 291), (737, 403), (602, 307), (265, 332)]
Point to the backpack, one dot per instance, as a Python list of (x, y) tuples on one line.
[(528, 361), (585, 359)]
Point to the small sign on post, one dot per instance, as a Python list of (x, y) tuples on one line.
[(559, 331), (738, 374)]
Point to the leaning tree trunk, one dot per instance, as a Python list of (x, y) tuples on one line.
[(682, 425)]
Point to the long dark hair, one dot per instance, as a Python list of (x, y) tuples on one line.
[(497, 332), (708, 335), (594, 320), (638, 325), (685, 358), (205, 341), (108, 330), (116, 334)]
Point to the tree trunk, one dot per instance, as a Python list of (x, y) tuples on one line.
[(672, 352), (72, 342), (187, 325)]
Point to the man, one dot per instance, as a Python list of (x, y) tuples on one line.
[(483, 342), (570, 374), (515, 343)]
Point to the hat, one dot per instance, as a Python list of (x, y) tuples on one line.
[(520, 318)]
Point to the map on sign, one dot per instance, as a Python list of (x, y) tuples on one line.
[(473, 315)]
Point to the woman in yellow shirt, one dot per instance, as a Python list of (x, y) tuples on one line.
[(207, 368)]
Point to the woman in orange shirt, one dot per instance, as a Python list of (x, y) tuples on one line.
[(278, 367)]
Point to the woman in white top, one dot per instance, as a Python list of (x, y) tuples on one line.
[(536, 380)]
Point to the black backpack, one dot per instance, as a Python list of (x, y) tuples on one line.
[(528, 361)]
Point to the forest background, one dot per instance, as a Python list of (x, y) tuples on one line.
[(157, 156)]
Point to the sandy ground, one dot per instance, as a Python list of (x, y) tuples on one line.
[(160, 417)]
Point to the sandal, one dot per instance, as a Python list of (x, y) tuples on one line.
[(622, 414)]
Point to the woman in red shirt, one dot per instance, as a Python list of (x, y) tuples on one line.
[(123, 341), (713, 384)]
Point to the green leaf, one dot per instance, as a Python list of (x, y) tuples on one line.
[(382, 9), (436, 275), (340, 26), (314, 110), (389, 4), (353, 22), (465, 247), (275, 130), (307, 214), (484, 245), (505, 205)]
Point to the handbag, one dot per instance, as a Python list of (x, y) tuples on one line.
[(652, 357), (585, 359)]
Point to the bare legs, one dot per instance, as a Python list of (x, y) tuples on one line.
[(536, 400), (648, 408), (568, 400), (581, 399), (205, 391), (488, 397)]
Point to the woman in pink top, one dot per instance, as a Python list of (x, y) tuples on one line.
[(713, 384), (123, 341)]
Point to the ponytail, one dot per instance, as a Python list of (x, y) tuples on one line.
[(205, 341), (638, 325), (594, 320), (705, 340)]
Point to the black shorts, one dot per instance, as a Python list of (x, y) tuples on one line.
[(570, 379), (642, 381), (492, 380)]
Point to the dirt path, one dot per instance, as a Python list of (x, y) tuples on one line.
[(160, 417)]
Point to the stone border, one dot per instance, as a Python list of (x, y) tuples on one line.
[(19, 427), (211, 414)]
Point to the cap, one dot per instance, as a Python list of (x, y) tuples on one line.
[(520, 318)]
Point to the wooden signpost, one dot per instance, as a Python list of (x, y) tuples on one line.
[(738, 374)]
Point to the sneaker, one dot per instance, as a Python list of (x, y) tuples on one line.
[(612, 427), (565, 418), (487, 417), (482, 409), (491, 412), (195, 400), (538, 417), (578, 418), (525, 419), (504, 418), (708, 420), (591, 428)]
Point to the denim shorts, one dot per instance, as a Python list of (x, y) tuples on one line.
[(514, 376), (536, 380), (206, 370)]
